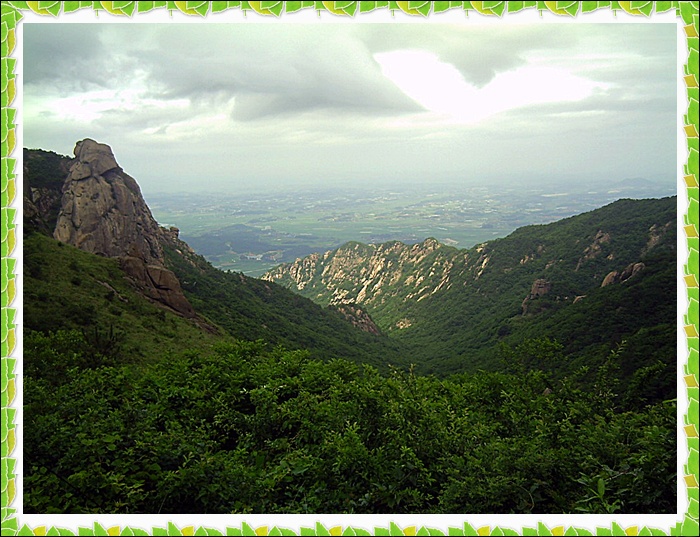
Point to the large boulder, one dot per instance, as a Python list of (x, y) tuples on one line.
[(102, 209), (157, 283), (103, 212)]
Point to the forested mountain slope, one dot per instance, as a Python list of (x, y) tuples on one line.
[(590, 282)]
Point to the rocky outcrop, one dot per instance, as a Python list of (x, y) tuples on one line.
[(358, 317), (39, 204), (369, 274), (157, 283), (657, 234), (42, 189), (620, 277), (104, 213), (540, 287), (594, 249)]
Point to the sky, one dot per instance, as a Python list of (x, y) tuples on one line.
[(239, 107)]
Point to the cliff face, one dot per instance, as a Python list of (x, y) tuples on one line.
[(371, 274), (103, 212), (44, 174)]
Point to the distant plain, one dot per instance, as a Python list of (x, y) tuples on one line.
[(254, 232)]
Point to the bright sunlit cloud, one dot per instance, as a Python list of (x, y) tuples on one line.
[(441, 88)]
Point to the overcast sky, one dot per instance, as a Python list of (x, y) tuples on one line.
[(217, 106)]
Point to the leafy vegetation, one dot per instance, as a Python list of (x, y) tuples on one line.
[(245, 428)]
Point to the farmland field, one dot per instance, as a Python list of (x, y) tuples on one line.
[(252, 233)]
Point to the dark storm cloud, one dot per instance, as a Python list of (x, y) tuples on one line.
[(67, 57), (271, 71)]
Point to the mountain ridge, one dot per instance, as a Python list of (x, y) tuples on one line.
[(474, 297)]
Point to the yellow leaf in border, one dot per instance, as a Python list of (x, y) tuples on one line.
[(10, 141), (34, 6), (109, 6), (11, 91), (403, 6), (11, 441), (11, 490), (11, 241), (11, 392), (552, 6), (11, 41), (627, 8), (11, 191), (10, 341), (10, 292), (255, 6)]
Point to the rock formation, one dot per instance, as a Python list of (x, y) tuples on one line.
[(594, 249), (104, 213), (358, 317), (619, 277), (540, 287), (42, 189)]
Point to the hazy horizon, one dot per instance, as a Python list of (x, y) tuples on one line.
[(254, 107)]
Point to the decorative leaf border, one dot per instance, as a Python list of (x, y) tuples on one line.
[(686, 12)]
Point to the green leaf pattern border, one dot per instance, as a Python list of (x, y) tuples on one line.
[(688, 17)]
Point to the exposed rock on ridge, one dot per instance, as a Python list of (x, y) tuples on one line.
[(359, 318), (540, 287), (103, 212), (619, 277), (367, 274)]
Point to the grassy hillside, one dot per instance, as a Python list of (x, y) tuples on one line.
[(67, 289)]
